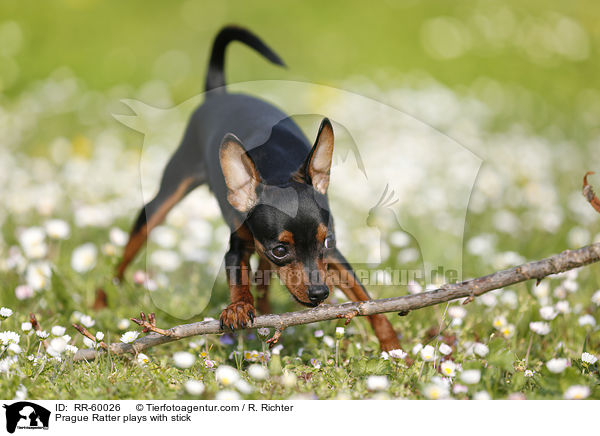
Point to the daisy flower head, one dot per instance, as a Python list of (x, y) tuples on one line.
[(123, 324), (38, 274), (288, 379), (428, 353), (83, 258), (587, 320), (9, 337), (588, 358), (23, 292), (458, 389), (557, 365), (183, 359), (87, 321), (482, 396), (480, 349), (57, 346), (539, 327), (397, 354), (57, 229), (448, 368), (377, 382), (42, 334), (129, 337), (117, 237), (470, 376), (227, 375), (258, 372), (227, 394), (548, 313), (243, 386), (33, 242), (5, 312), (508, 331), (328, 340), (194, 387), (577, 392), (562, 306), (445, 349), (436, 391), (58, 330), (457, 312), (499, 322)]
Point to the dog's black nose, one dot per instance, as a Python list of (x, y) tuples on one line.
[(318, 293)]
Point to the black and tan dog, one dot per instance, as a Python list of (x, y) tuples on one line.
[(271, 187)]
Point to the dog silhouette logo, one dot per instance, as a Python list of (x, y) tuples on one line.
[(26, 415)]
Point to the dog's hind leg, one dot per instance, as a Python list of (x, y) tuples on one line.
[(181, 176), (343, 276)]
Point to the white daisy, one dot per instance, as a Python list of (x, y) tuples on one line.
[(57, 229), (258, 372), (470, 376), (577, 392), (227, 375), (588, 358), (129, 336), (448, 368), (83, 258), (194, 387), (377, 382), (556, 366)]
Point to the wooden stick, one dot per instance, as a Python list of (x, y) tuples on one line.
[(567, 260), (589, 194)]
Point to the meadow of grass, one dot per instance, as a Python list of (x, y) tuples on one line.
[(513, 84)]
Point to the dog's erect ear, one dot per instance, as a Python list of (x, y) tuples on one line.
[(240, 173), (318, 163)]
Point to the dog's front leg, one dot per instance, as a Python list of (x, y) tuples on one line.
[(343, 276), (241, 311)]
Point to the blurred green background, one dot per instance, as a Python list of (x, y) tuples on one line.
[(548, 48)]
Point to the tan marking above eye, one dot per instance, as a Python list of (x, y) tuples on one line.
[(286, 236), (321, 232), (259, 247)]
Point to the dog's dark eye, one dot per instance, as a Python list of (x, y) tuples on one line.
[(329, 242), (279, 252)]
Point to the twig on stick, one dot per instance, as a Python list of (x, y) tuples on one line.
[(85, 332), (37, 327), (150, 324), (567, 260), (589, 194)]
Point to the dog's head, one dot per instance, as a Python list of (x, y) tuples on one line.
[(291, 225)]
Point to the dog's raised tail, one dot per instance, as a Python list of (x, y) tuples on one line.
[(215, 77)]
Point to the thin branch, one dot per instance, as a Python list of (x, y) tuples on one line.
[(589, 194), (85, 332), (149, 325), (37, 327), (539, 269)]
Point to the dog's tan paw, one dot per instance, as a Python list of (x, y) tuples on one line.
[(237, 315)]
